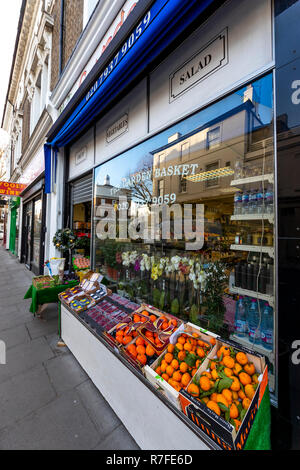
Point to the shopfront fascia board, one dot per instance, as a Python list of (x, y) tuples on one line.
[(248, 53), (95, 29), (82, 155)]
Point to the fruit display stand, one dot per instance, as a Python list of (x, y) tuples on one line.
[(43, 293), (128, 391)]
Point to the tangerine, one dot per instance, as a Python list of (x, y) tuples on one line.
[(193, 389), (171, 348), (244, 378), (185, 379), (205, 383), (241, 358), (233, 411), (214, 407), (183, 366), (169, 358), (142, 358), (177, 376)]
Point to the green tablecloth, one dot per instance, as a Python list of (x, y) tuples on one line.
[(46, 296)]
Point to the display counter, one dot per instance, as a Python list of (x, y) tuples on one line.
[(131, 395)]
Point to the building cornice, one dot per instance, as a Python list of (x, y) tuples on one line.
[(99, 23)]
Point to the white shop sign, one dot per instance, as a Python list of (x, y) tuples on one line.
[(208, 60), (117, 128), (233, 46)]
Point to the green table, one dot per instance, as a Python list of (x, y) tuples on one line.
[(46, 296)]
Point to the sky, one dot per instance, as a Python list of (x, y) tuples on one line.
[(9, 17)]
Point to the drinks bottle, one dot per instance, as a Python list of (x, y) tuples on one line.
[(238, 203), (253, 322), (245, 202), (253, 201), (259, 201), (269, 200), (266, 330), (240, 321)]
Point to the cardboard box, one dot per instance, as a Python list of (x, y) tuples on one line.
[(160, 384), (216, 427)]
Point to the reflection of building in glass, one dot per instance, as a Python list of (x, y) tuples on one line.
[(197, 165)]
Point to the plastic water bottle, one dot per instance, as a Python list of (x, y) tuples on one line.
[(269, 196), (253, 322), (238, 168), (259, 201), (238, 203), (245, 202), (240, 321), (252, 202), (266, 330)]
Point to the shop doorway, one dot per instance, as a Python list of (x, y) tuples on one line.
[(33, 235)]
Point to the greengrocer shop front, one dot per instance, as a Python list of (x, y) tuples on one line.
[(177, 123)]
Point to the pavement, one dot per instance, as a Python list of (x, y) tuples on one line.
[(47, 401)]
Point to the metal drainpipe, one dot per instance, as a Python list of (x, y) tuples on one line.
[(61, 41)]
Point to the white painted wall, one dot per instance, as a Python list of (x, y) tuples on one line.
[(135, 104)]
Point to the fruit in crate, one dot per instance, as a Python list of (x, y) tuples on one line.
[(182, 360), (140, 350), (227, 386), (81, 262)]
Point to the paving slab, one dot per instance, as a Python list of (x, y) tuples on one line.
[(22, 394), (61, 425), (119, 439), (39, 327), (15, 336), (98, 409), (65, 373)]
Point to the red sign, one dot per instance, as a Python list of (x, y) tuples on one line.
[(11, 189)]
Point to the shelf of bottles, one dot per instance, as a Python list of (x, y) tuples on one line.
[(253, 277), (254, 248), (253, 294)]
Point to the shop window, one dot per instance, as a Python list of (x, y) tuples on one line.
[(193, 231)]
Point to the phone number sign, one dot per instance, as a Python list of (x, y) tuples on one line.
[(11, 189)]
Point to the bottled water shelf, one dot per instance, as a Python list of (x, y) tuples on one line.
[(269, 217), (253, 179), (254, 248), (255, 295)]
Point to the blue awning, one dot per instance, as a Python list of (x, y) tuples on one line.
[(159, 27)]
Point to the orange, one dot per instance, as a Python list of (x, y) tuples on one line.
[(237, 424), (195, 335), (223, 350), (244, 378), (149, 335), (187, 346), (142, 358), (171, 348), (177, 376), (246, 403), (237, 368), (255, 378), (194, 372), (193, 389), (177, 386), (233, 411), (164, 325), (166, 377), (136, 318), (235, 386), (150, 351), (214, 407), (163, 366), (249, 368), (173, 322), (227, 371), (152, 318), (205, 383), (158, 370), (175, 364), (222, 399), (249, 391), (168, 358), (181, 340), (200, 352), (170, 371), (228, 362), (127, 339), (141, 349), (179, 346), (183, 367), (144, 312), (185, 379), (207, 374), (227, 394), (214, 374), (140, 341), (212, 365), (212, 341), (241, 394), (214, 397), (181, 355), (241, 358)]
